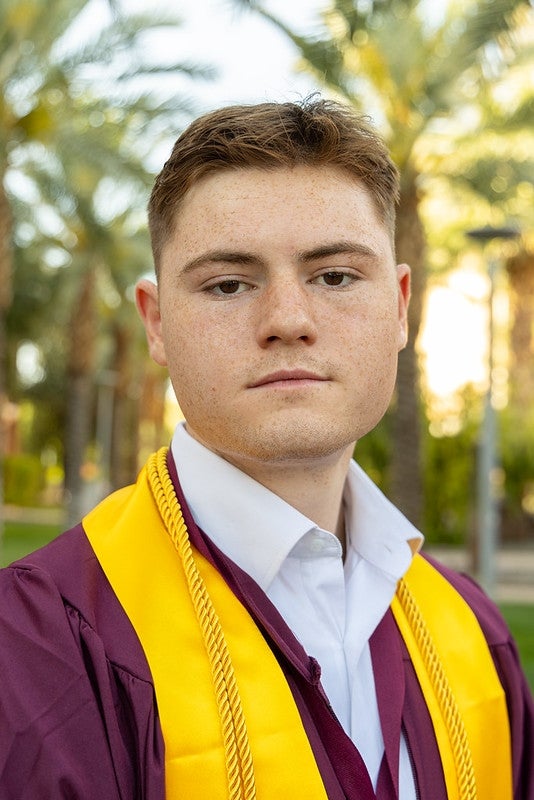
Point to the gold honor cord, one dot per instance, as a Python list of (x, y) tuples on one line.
[(239, 765), (453, 721)]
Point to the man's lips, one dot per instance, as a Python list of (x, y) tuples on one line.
[(287, 377)]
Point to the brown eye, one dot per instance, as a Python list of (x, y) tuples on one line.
[(228, 287), (334, 278)]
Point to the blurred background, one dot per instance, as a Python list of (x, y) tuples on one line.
[(94, 93)]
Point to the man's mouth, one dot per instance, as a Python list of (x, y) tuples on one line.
[(288, 377)]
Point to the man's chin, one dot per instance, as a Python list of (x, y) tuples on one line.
[(285, 449)]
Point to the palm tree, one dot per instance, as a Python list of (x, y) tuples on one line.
[(74, 108), (410, 65)]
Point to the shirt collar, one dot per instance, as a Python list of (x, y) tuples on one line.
[(248, 522), (258, 530), (378, 531)]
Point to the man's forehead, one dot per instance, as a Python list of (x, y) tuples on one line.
[(244, 186), (220, 201)]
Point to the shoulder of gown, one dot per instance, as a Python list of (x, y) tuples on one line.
[(519, 698), (77, 710)]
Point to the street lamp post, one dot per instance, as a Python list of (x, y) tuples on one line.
[(487, 517)]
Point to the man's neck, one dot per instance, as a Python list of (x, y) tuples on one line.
[(314, 488)]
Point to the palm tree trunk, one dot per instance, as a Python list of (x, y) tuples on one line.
[(80, 372), (405, 466), (154, 382), (126, 411), (521, 276), (6, 269)]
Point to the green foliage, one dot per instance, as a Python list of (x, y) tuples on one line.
[(517, 459), (517, 451), (450, 464), (449, 471), (23, 479), (373, 452), (449, 487)]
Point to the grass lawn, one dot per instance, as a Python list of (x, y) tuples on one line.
[(520, 618), (21, 538)]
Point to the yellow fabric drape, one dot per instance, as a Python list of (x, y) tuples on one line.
[(129, 533)]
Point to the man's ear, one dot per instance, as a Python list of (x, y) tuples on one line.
[(147, 300), (403, 278)]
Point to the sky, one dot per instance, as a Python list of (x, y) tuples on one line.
[(254, 61)]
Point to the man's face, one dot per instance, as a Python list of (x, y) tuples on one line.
[(281, 313)]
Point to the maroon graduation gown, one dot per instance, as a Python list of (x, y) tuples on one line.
[(78, 717)]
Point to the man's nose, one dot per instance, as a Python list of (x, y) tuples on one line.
[(286, 314)]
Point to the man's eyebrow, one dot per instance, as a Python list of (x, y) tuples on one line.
[(221, 257), (337, 248), (305, 256)]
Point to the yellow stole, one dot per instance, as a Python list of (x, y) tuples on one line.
[(457, 675), (243, 737)]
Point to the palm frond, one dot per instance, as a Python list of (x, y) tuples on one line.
[(460, 46), (191, 69), (512, 119)]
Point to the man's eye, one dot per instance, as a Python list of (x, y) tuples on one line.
[(228, 287), (333, 278)]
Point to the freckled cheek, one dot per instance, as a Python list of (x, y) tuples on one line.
[(197, 368), (196, 362), (368, 327), (371, 354)]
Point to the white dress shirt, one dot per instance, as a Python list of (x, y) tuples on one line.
[(331, 606)]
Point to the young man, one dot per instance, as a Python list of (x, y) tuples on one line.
[(253, 619)]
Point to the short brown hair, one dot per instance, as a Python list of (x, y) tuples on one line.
[(313, 132)]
